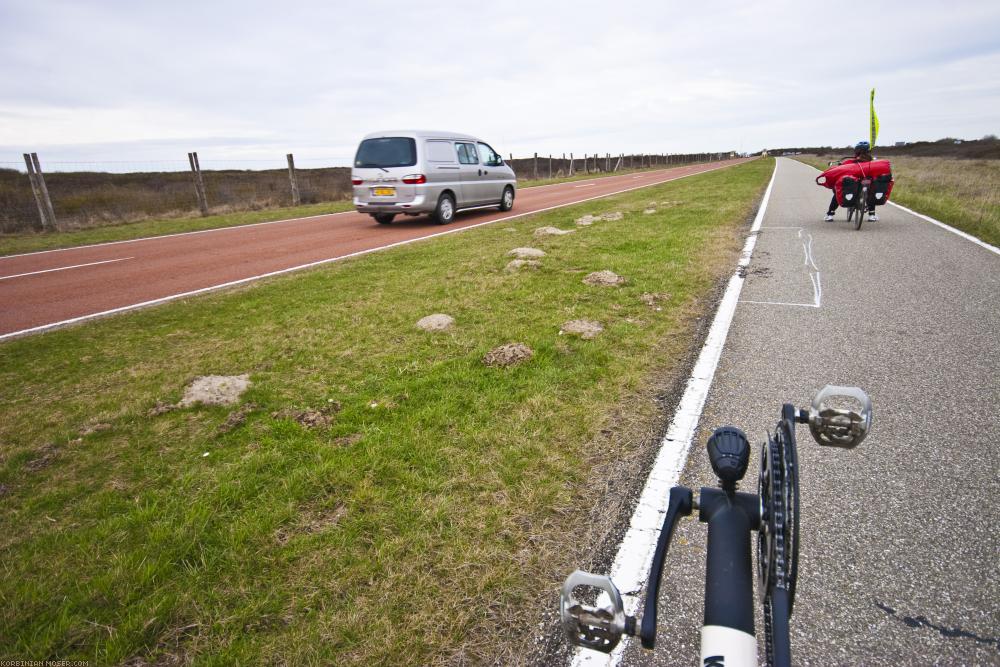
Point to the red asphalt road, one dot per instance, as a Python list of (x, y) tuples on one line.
[(42, 290)]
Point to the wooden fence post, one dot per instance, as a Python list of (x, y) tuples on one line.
[(199, 184), (535, 163), (570, 164), (45, 204), (37, 192), (296, 201), (550, 165)]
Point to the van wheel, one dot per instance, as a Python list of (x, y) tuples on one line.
[(445, 211), (383, 218), (507, 201)]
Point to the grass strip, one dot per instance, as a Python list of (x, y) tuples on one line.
[(962, 193), (416, 525)]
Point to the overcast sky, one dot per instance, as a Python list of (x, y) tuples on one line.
[(144, 82)]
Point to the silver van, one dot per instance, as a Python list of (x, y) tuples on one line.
[(414, 172)]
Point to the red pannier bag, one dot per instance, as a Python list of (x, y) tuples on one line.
[(879, 171)]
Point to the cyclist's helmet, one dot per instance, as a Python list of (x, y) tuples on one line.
[(862, 147)]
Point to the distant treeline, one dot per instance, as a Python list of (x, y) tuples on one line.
[(987, 148)]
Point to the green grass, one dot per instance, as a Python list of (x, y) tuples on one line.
[(33, 241), (421, 523), (962, 193)]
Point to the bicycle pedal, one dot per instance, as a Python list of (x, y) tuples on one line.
[(599, 626), (834, 426)]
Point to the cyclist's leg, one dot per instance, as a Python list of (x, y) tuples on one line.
[(833, 205)]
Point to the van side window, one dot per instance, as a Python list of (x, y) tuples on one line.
[(440, 151), (467, 153), (490, 157)]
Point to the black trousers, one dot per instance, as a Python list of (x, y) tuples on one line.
[(833, 205)]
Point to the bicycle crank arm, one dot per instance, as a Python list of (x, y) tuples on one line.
[(681, 504), (600, 626)]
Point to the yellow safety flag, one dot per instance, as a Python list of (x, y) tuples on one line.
[(873, 123)]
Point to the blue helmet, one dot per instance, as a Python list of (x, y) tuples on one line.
[(862, 146)]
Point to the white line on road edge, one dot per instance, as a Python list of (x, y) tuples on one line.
[(967, 237), (635, 553), (64, 268), (202, 290)]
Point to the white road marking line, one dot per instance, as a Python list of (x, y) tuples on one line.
[(635, 553), (585, 185), (65, 268), (779, 303), (811, 268), (202, 290)]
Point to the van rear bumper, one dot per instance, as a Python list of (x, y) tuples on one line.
[(418, 204)]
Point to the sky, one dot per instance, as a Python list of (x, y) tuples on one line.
[(120, 86)]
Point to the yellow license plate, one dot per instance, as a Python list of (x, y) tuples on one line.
[(384, 192)]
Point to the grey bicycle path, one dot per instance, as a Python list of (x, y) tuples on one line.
[(900, 537)]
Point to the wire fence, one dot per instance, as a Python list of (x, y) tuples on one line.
[(89, 194)]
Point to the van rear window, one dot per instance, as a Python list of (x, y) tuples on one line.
[(387, 152)]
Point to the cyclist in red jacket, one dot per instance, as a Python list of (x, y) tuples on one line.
[(862, 153)]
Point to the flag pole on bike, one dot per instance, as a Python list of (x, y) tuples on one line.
[(872, 123)]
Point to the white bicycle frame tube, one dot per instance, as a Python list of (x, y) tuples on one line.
[(726, 647)]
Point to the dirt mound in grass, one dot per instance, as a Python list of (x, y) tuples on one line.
[(552, 231), (583, 328), (310, 417), (587, 220), (510, 354), (604, 279), (614, 215), (215, 390), (436, 322), (526, 253)]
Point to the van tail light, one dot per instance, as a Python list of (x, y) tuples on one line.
[(356, 181), (414, 179)]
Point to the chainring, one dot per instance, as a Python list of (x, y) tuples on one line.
[(778, 536)]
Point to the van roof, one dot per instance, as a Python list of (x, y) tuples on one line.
[(421, 134)]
